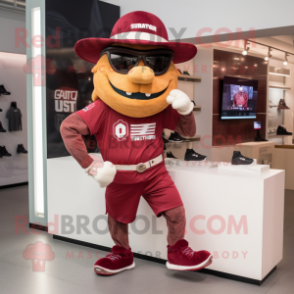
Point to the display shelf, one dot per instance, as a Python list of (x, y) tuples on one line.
[(197, 108), (279, 87), (278, 136), (188, 78), (191, 139)]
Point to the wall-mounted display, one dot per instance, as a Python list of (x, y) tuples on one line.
[(239, 98), (69, 82), (14, 118)]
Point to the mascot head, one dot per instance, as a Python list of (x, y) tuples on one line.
[(135, 71)]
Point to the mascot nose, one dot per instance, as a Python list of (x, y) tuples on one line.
[(141, 75)]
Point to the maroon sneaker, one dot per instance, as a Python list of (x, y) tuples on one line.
[(182, 258), (119, 260)]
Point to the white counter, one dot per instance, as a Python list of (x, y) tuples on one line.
[(236, 214)]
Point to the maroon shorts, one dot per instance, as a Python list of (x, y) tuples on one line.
[(155, 185)]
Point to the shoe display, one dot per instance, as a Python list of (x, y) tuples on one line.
[(239, 159), (282, 104), (119, 260), (191, 155), (4, 152), (175, 137), (21, 149), (3, 91), (182, 258), (2, 130), (170, 155), (271, 104), (185, 73), (282, 131), (260, 139)]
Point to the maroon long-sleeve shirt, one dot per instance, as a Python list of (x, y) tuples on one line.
[(85, 121)]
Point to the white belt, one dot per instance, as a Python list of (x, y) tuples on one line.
[(140, 167)]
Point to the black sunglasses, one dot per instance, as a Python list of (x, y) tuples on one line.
[(123, 59)]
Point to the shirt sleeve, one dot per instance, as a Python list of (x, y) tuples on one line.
[(186, 125), (171, 118), (72, 129), (94, 115)]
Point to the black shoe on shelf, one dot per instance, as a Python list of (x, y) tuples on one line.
[(175, 137), (170, 155), (260, 139), (185, 73), (3, 91), (21, 149), (2, 130), (4, 152), (191, 155), (282, 131), (239, 159)]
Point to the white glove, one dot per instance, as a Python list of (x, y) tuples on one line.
[(103, 173), (180, 101)]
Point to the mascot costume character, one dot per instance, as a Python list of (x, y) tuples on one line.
[(135, 97)]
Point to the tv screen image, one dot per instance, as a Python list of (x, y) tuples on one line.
[(239, 98)]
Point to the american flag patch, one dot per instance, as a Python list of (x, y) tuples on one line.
[(143, 132)]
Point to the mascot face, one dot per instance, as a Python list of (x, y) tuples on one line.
[(135, 80)]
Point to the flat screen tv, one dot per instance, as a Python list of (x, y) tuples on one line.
[(239, 98)]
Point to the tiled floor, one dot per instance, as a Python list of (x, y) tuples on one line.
[(75, 275)]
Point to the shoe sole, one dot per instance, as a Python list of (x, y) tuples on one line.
[(183, 268), (172, 141), (244, 164), (99, 270), (205, 159)]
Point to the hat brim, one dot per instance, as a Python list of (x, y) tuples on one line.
[(89, 49)]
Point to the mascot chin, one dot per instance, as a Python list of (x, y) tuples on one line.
[(135, 97)]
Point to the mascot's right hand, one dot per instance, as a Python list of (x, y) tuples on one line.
[(102, 172)]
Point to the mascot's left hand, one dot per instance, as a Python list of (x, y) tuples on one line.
[(102, 172), (180, 101)]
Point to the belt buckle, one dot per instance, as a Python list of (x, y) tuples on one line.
[(141, 167)]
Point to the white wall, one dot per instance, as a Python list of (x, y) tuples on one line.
[(284, 117), (13, 169), (202, 67), (9, 21), (195, 14)]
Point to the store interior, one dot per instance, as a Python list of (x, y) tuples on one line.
[(268, 60), (13, 118), (39, 166)]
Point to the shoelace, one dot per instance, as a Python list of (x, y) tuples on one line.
[(189, 252), (112, 256)]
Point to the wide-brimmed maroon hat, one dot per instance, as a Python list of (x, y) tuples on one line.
[(140, 28)]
